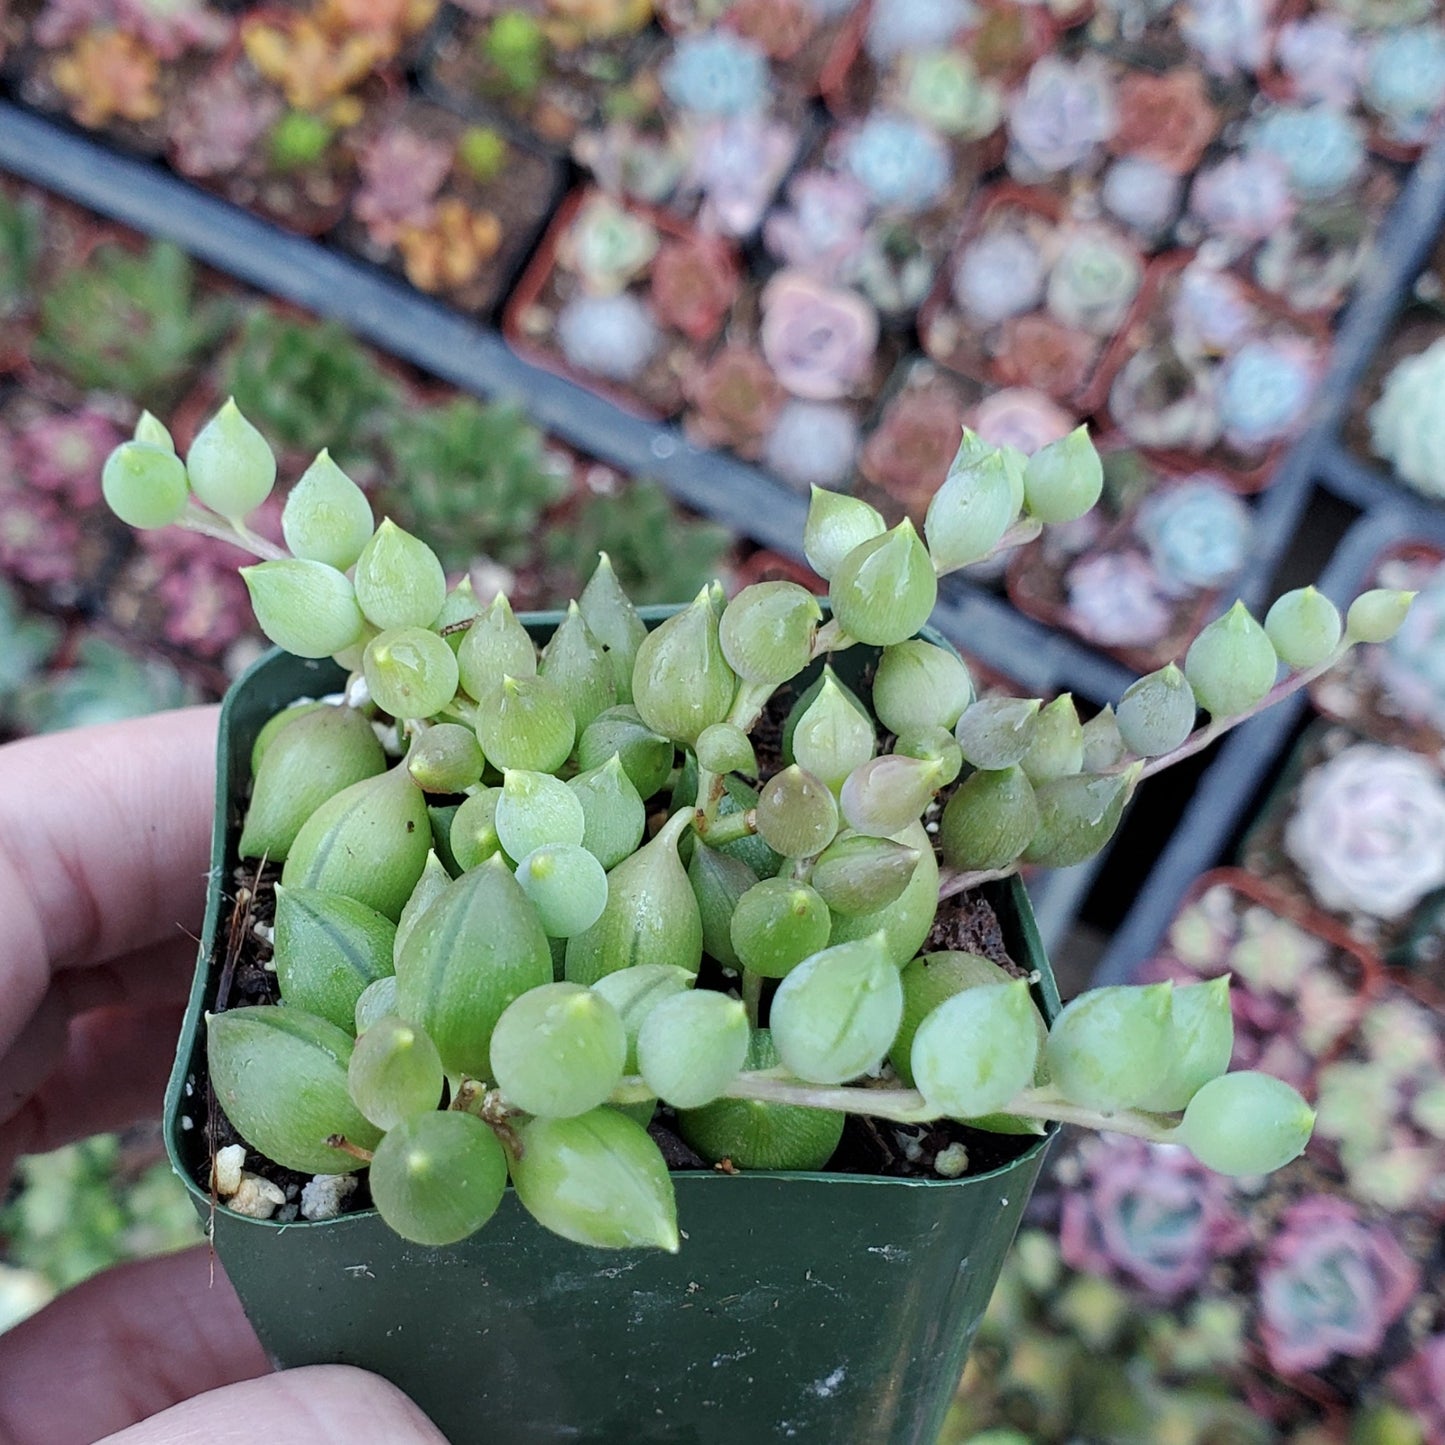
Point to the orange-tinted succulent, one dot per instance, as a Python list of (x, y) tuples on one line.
[(450, 248), (314, 67), (1167, 119), (107, 75), (910, 452), (393, 20), (694, 284), (570, 23), (1041, 352), (780, 28), (735, 400)]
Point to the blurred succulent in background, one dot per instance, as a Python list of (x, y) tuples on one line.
[(1321, 149), (610, 336), (131, 324), (62, 453), (906, 26), (1405, 81), (219, 123), (1061, 118), (1167, 119), (401, 174), (1149, 1216), (999, 275), (1330, 1285), (1368, 831), (736, 166), (1229, 36), (476, 477), (449, 248), (819, 340), (821, 230), (902, 165), (812, 444), (735, 399), (108, 76), (1094, 280), (1161, 400), (716, 73), (694, 283), (22, 244), (607, 246), (913, 444), (30, 642), (895, 268), (1142, 195), (1420, 1384), (1322, 58), (1411, 666), (1198, 533), (1407, 424), (1245, 197), (1265, 390), (1018, 416), (103, 684), (1117, 600), (943, 89)]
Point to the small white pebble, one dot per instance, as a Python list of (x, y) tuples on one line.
[(951, 1162), (913, 1151), (256, 1197), (264, 931), (226, 1172), (323, 1197), (357, 693)]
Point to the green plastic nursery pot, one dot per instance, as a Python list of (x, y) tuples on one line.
[(804, 1307)]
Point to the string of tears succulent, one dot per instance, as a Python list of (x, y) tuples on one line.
[(489, 970)]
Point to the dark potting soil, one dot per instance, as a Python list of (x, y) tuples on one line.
[(869, 1146)]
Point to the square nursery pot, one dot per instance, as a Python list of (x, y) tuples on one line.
[(809, 1307)]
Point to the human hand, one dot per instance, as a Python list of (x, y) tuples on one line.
[(104, 847)]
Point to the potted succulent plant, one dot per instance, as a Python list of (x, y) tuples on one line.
[(486, 972)]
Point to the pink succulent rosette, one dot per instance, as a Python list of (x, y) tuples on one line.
[(1368, 831), (63, 453), (1330, 1284), (822, 230), (818, 339), (401, 175), (1149, 1215), (1116, 600), (1019, 416)]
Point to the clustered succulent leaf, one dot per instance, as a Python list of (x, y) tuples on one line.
[(577, 894)]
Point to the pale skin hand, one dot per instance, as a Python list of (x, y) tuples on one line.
[(104, 843)]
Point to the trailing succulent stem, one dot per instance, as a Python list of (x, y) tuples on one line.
[(578, 894)]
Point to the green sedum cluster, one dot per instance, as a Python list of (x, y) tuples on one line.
[(571, 889)]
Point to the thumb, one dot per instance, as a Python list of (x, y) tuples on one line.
[(320, 1405)]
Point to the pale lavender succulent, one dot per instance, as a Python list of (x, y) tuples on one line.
[(1142, 194), (1245, 198), (1210, 312), (819, 340), (1149, 1216), (1019, 416), (1323, 59), (1116, 599), (737, 165), (1367, 831), (1265, 389), (821, 231), (609, 336), (401, 174), (812, 444), (1407, 423), (1330, 1285), (219, 122), (1229, 36), (902, 27), (1198, 534), (172, 27), (1411, 665), (628, 159), (1060, 119), (1405, 81), (1001, 274)]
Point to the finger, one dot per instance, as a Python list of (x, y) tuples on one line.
[(112, 1073), (320, 1405), (123, 1346), (147, 979), (104, 836)]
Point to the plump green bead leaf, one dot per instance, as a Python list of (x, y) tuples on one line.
[(997, 732), (856, 874), (597, 1179), (1063, 480), (692, 1046), (1377, 616), (988, 820), (558, 1050), (738, 797), (754, 1135), (681, 681), (726, 748), (635, 992), (651, 914), (609, 612), (446, 758), (474, 829), (399, 579), (646, 756), (275, 723), (1156, 714), (461, 611), (613, 816), (836, 524), (410, 672), (327, 517), (907, 921), (918, 685), (327, 949), (971, 511), (145, 485), (536, 809), (430, 886), (494, 647), (438, 1177), (1078, 816), (829, 733), (835, 1015), (1111, 1048), (1231, 665), (1203, 1041), (475, 949), (524, 722), (1246, 1123), (935, 745), (280, 1076), (778, 923), (977, 1050), (376, 1001), (767, 631), (315, 755), (581, 667), (1305, 627), (797, 814), (231, 467), (307, 608), (1103, 745), (718, 882), (884, 589), (151, 429), (884, 795), (395, 1072), (567, 886), (369, 842), (1057, 750)]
